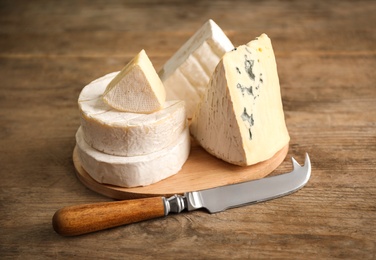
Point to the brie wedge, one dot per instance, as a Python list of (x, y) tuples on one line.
[(186, 74), (137, 170), (240, 119), (137, 88), (127, 134)]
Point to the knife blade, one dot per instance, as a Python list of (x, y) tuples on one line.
[(82, 219)]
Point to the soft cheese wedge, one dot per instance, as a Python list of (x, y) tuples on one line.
[(133, 171), (137, 88), (187, 73), (127, 134), (240, 119)]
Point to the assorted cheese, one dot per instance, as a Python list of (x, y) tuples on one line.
[(131, 136), (137, 170), (137, 88), (127, 134), (186, 74), (240, 118)]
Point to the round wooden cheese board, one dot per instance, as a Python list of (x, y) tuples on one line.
[(201, 171)]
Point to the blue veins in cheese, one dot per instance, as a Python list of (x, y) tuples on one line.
[(240, 118), (186, 74)]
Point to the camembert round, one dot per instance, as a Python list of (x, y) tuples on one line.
[(123, 133)]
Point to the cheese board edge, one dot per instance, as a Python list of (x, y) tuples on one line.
[(201, 171)]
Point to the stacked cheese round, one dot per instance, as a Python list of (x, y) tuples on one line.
[(130, 149)]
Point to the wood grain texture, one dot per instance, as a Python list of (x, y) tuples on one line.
[(87, 218), (326, 57), (201, 171)]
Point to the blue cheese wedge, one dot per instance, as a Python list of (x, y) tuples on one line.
[(137, 88), (135, 170), (186, 74), (240, 119), (115, 132)]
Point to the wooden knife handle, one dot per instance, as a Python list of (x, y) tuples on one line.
[(82, 219)]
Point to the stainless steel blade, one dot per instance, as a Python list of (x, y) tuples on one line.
[(222, 198), (76, 220)]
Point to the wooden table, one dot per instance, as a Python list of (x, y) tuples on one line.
[(326, 55)]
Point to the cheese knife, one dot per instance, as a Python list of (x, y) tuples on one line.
[(82, 219)]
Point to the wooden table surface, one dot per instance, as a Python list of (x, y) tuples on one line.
[(326, 56)]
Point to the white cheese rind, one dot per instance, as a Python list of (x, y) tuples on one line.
[(187, 73), (137, 88), (137, 170), (127, 134), (240, 118)]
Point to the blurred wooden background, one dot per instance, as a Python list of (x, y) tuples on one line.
[(326, 56)]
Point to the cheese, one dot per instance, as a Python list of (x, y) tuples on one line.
[(137, 88), (186, 74), (240, 118), (127, 134), (137, 170)]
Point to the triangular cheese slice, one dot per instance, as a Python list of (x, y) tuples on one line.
[(137, 88), (127, 134), (187, 73), (240, 118)]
